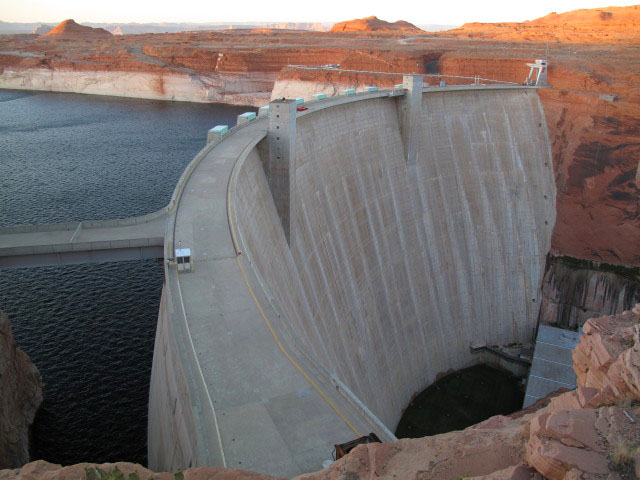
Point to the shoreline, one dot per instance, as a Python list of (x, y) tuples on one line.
[(240, 90)]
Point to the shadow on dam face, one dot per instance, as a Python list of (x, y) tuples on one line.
[(395, 268)]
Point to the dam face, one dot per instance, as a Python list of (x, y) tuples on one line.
[(394, 268)]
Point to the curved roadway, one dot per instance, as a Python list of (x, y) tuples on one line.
[(273, 412)]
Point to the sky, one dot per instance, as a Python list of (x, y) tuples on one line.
[(445, 12)]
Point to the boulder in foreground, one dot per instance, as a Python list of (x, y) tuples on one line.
[(20, 398)]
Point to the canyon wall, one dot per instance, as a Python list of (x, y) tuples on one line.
[(233, 89), (576, 290), (394, 269), (20, 398)]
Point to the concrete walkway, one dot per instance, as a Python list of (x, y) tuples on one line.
[(270, 418), (91, 241)]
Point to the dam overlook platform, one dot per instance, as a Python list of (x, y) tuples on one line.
[(331, 284)]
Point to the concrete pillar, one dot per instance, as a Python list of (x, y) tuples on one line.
[(413, 99), (541, 80), (245, 117), (216, 133), (281, 138)]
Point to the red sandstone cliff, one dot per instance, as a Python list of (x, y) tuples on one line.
[(374, 24), (597, 25), (70, 29), (20, 398)]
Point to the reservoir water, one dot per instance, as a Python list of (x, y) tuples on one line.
[(90, 328)]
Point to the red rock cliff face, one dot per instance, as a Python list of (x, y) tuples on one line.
[(596, 25), (374, 24), (20, 398), (70, 28)]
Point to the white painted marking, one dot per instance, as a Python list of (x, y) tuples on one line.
[(215, 418), (551, 361), (554, 381)]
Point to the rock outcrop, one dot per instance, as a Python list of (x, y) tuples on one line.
[(41, 470), (71, 29), (374, 24), (591, 433), (596, 25), (595, 430), (20, 398), (575, 290)]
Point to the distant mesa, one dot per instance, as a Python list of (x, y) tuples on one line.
[(593, 17), (374, 24), (71, 29), (609, 24), (42, 29)]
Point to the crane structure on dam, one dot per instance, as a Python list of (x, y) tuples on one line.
[(332, 253)]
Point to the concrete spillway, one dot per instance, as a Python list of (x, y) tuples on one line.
[(268, 353)]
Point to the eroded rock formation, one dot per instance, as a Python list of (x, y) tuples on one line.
[(576, 290), (20, 398), (374, 24), (71, 29), (596, 25)]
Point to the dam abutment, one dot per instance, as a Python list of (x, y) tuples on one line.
[(281, 139)]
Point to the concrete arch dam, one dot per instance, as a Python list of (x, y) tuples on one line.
[(404, 230)]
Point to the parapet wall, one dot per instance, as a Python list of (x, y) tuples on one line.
[(395, 269)]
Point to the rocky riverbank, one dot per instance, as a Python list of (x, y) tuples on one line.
[(20, 398)]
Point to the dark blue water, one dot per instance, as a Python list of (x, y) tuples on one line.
[(90, 328)]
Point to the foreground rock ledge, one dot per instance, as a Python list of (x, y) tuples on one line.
[(591, 433), (20, 398)]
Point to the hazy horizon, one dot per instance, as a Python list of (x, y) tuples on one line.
[(202, 12)]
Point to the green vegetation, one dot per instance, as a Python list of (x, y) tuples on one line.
[(621, 456), (629, 272), (94, 473), (115, 474)]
